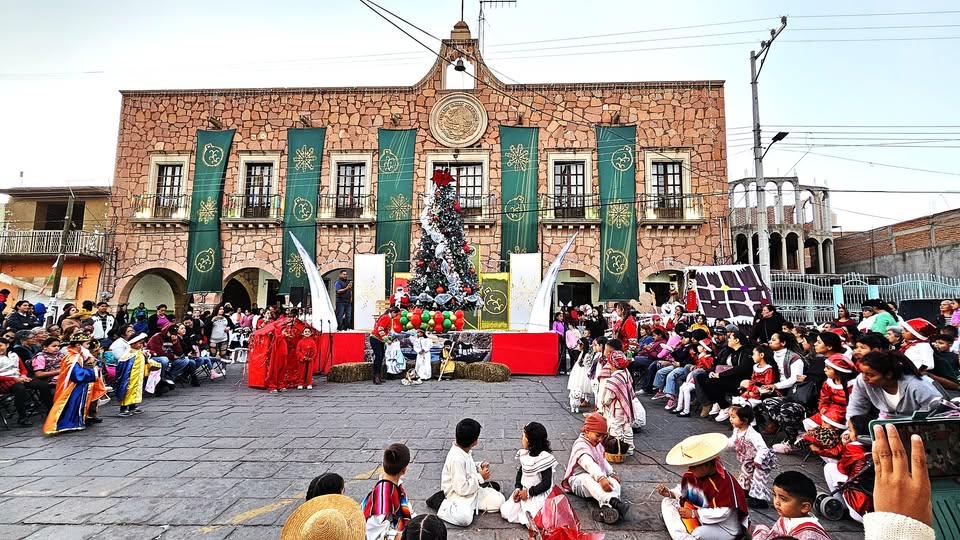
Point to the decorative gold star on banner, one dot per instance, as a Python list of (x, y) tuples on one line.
[(399, 206), (518, 157), (305, 158), (207, 211), (295, 265), (618, 214)]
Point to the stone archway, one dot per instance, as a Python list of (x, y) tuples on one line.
[(159, 283), (252, 284)]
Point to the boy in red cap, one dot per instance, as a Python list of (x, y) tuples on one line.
[(590, 475)]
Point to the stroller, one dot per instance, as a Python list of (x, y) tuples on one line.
[(856, 492)]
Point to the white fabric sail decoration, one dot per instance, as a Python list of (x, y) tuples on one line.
[(323, 316), (540, 314)]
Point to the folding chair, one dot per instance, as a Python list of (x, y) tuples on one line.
[(6, 409)]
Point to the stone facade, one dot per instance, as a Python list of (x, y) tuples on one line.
[(677, 117)]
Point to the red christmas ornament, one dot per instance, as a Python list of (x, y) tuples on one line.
[(466, 290), (458, 323), (458, 313), (466, 248), (456, 206), (420, 262), (438, 328), (438, 317), (473, 270), (439, 290)]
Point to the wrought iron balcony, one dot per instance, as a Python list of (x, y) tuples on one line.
[(35, 243), (348, 209), (252, 210), (475, 209), (569, 209), (161, 209), (655, 211)]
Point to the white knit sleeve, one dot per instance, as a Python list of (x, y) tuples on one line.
[(884, 525)]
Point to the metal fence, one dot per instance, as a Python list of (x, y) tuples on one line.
[(813, 298)]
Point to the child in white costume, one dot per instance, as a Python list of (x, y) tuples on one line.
[(464, 482), (393, 357), (534, 476), (422, 345)]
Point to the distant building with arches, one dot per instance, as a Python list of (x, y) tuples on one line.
[(800, 225)]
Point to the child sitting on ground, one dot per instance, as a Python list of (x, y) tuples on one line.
[(534, 476), (756, 460), (464, 483), (385, 507), (425, 527), (704, 363), (765, 373), (793, 497), (326, 484), (617, 402), (590, 476), (853, 459), (709, 502)]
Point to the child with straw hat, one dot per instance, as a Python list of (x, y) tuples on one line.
[(709, 502), (328, 517)]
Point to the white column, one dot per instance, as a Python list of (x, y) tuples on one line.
[(783, 253), (819, 257)]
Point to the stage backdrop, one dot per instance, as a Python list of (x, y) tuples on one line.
[(204, 261), (525, 275), (731, 292), (518, 183), (369, 274), (616, 163), (495, 289), (304, 155)]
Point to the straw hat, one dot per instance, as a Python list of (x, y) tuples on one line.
[(79, 337), (137, 338), (697, 449), (328, 517)]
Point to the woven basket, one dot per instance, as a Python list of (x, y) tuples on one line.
[(616, 450)]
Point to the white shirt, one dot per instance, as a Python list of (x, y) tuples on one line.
[(10, 365), (921, 355), (892, 399), (119, 348), (99, 332)]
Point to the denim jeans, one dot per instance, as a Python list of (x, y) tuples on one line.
[(660, 379), (344, 313), (675, 379), (179, 366), (378, 350), (648, 377)]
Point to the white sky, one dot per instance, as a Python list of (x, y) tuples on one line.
[(64, 62)]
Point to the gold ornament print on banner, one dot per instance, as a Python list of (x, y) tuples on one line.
[(302, 209), (295, 265), (615, 261), (204, 261), (305, 158), (518, 157), (389, 162), (389, 249), (399, 206), (212, 155), (515, 207), (622, 159), (207, 211), (494, 301), (618, 214)]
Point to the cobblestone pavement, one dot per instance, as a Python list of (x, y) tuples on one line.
[(227, 461)]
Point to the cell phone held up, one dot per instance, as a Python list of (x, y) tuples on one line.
[(941, 442)]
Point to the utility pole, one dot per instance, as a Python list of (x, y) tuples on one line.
[(64, 236), (763, 236)]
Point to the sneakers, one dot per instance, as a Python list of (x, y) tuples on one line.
[(723, 415), (642, 392), (715, 410), (671, 403), (611, 514), (417, 381), (215, 374), (309, 387), (659, 395), (274, 391), (684, 414), (138, 410), (783, 448), (300, 387), (125, 413)]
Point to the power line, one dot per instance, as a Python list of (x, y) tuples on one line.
[(888, 14), (878, 164)]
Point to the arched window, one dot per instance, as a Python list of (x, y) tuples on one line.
[(456, 79)]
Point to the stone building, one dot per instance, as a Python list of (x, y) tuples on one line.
[(680, 179), (799, 221), (30, 242)]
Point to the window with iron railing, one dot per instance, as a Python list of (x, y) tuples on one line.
[(468, 178), (258, 190), (169, 190), (668, 189), (569, 189), (350, 179)]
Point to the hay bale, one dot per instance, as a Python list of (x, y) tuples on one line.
[(487, 372), (457, 370), (350, 372)]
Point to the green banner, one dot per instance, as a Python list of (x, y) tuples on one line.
[(495, 290), (518, 188), (204, 261), (395, 196), (616, 163), (304, 156)]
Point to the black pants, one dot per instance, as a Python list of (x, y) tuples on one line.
[(21, 395), (378, 350), (716, 390)]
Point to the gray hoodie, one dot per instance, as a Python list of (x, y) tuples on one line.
[(915, 394)]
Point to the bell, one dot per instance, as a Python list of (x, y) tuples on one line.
[(460, 66)]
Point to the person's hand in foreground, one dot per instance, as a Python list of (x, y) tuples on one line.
[(901, 487)]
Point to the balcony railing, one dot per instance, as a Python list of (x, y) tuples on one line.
[(250, 207), (47, 243), (161, 207), (347, 207), (571, 208), (670, 209), (473, 208)]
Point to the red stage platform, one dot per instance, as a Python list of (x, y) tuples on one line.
[(347, 347), (526, 353)]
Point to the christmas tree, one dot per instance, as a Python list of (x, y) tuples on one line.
[(444, 279)]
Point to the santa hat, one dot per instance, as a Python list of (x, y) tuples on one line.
[(922, 329), (842, 332), (839, 362)]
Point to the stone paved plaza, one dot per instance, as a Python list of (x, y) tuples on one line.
[(227, 461)]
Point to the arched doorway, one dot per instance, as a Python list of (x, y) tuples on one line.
[(660, 284), (153, 287), (575, 288), (251, 287)]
